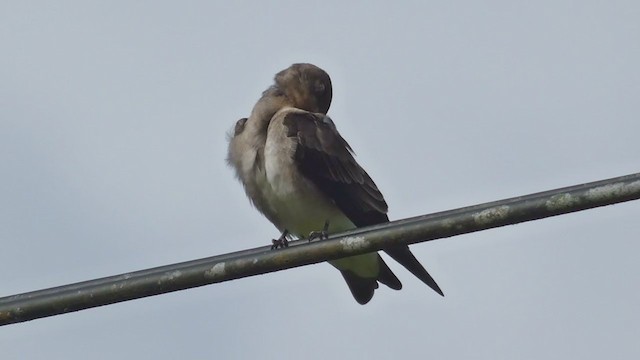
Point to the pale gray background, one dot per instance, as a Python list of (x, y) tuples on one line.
[(112, 144)]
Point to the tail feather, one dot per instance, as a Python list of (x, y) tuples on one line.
[(403, 255), (387, 277), (361, 288)]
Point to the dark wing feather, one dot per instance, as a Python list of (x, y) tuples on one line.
[(405, 257), (325, 158)]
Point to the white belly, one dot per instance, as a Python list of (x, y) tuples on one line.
[(301, 208)]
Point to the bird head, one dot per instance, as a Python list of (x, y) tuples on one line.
[(307, 86)]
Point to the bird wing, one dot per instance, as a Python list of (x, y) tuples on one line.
[(324, 157)]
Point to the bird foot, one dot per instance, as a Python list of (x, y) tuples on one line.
[(320, 235), (281, 242)]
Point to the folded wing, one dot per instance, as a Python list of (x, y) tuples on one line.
[(324, 157)]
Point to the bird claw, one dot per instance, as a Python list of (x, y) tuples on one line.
[(281, 242), (320, 235)]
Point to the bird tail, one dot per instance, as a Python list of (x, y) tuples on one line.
[(362, 288)]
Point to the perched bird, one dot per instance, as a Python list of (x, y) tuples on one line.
[(301, 174)]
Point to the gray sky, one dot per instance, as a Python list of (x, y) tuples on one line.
[(112, 143)]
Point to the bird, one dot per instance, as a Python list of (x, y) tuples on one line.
[(301, 174)]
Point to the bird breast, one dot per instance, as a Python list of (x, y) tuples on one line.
[(299, 205)]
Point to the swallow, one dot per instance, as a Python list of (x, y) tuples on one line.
[(301, 174)]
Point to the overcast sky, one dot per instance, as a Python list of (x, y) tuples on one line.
[(113, 118)]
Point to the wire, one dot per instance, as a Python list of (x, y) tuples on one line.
[(180, 276)]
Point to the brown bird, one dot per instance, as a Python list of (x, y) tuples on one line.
[(301, 174)]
